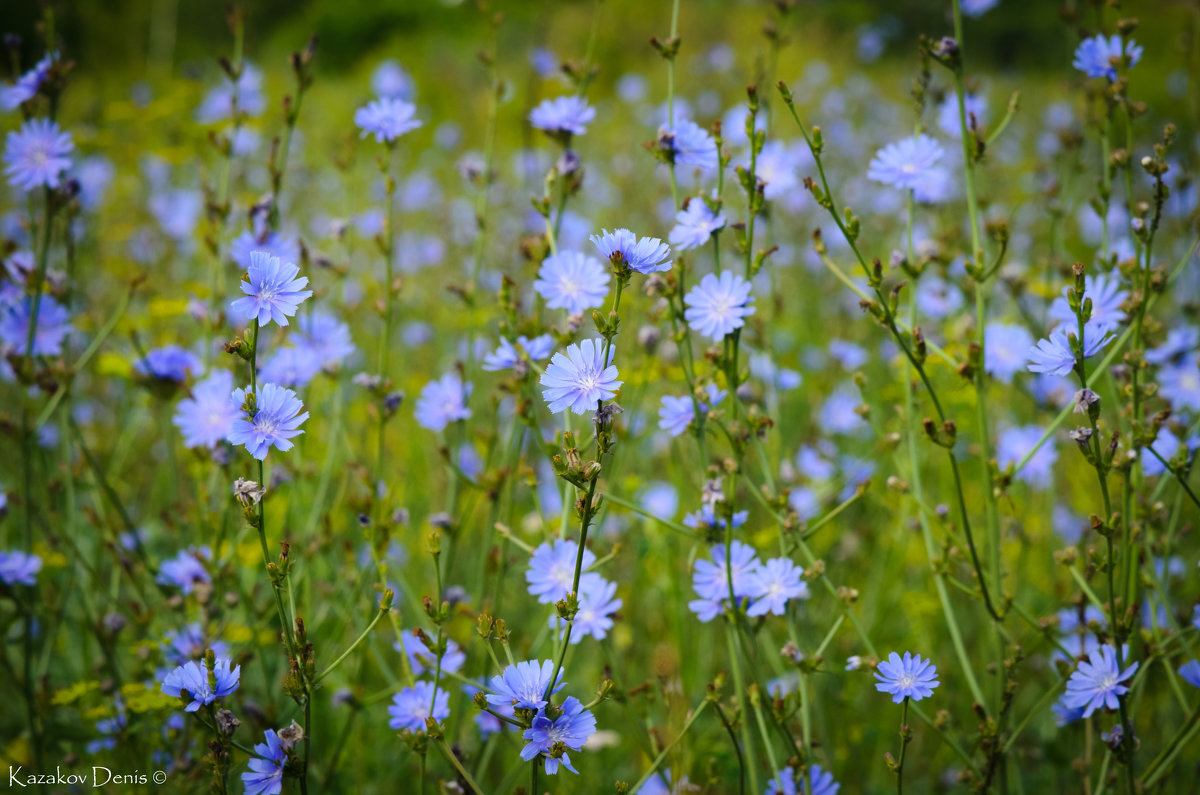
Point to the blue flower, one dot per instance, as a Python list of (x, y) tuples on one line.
[(508, 355), (421, 660), (190, 643), (109, 728), (849, 355), (694, 225), (778, 166), (324, 337), (265, 776), (904, 163), (573, 726), (642, 254), (185, 570), (1097, 682), (718, 306), (839, 411), (1190, 672), (1015, 443), (277, 418), (572, 281), (442, 402), (190, 680), (676, 413), (19, 568), (1180, 383), (948, 113), (820, 782), (597, 603), (937, 297), (1167, 445), (390, 80), (551, 571), (207, 417), (1005, 347), (911, 677), (273, 292), (217, 104), (27, 85), (37, 155), (1180, 341), (1064, 714), (244, 245), (177, 212), (387, 119), (706, 518), (53, 325), (291, 366), (578, 379), (1075, 633), (1054, 355), (567, 115), (524, 685), (772, 584), (689, 144), (169, 363), (710, 579), (410, 707), (1106, 296), (1094, 56), (975, 8)]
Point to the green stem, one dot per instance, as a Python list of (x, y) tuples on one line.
[(658, 760), (342, 657)]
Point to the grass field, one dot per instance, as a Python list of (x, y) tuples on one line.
[(710, 481)]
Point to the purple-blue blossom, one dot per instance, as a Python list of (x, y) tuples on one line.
[(274, 291), (442, 402), (676, 413), (569, 115), (694, 225), (572, 727), (510, 356), (572, 281), (387, 119), (910, 677), (579, 378), (1054, 356), (206, 417), (37, 155), (411, 707), (1005, 349), (191, 680), (275, 421), (525, 685), (1097, 682), (19, 568), (772, 584), (1015, 443), (904, 163), (186, 570), (53, 325), (265, 774), (689, 145), (551, 571), (641, 254), (717, 306), (1094, 57), (168, 363)]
